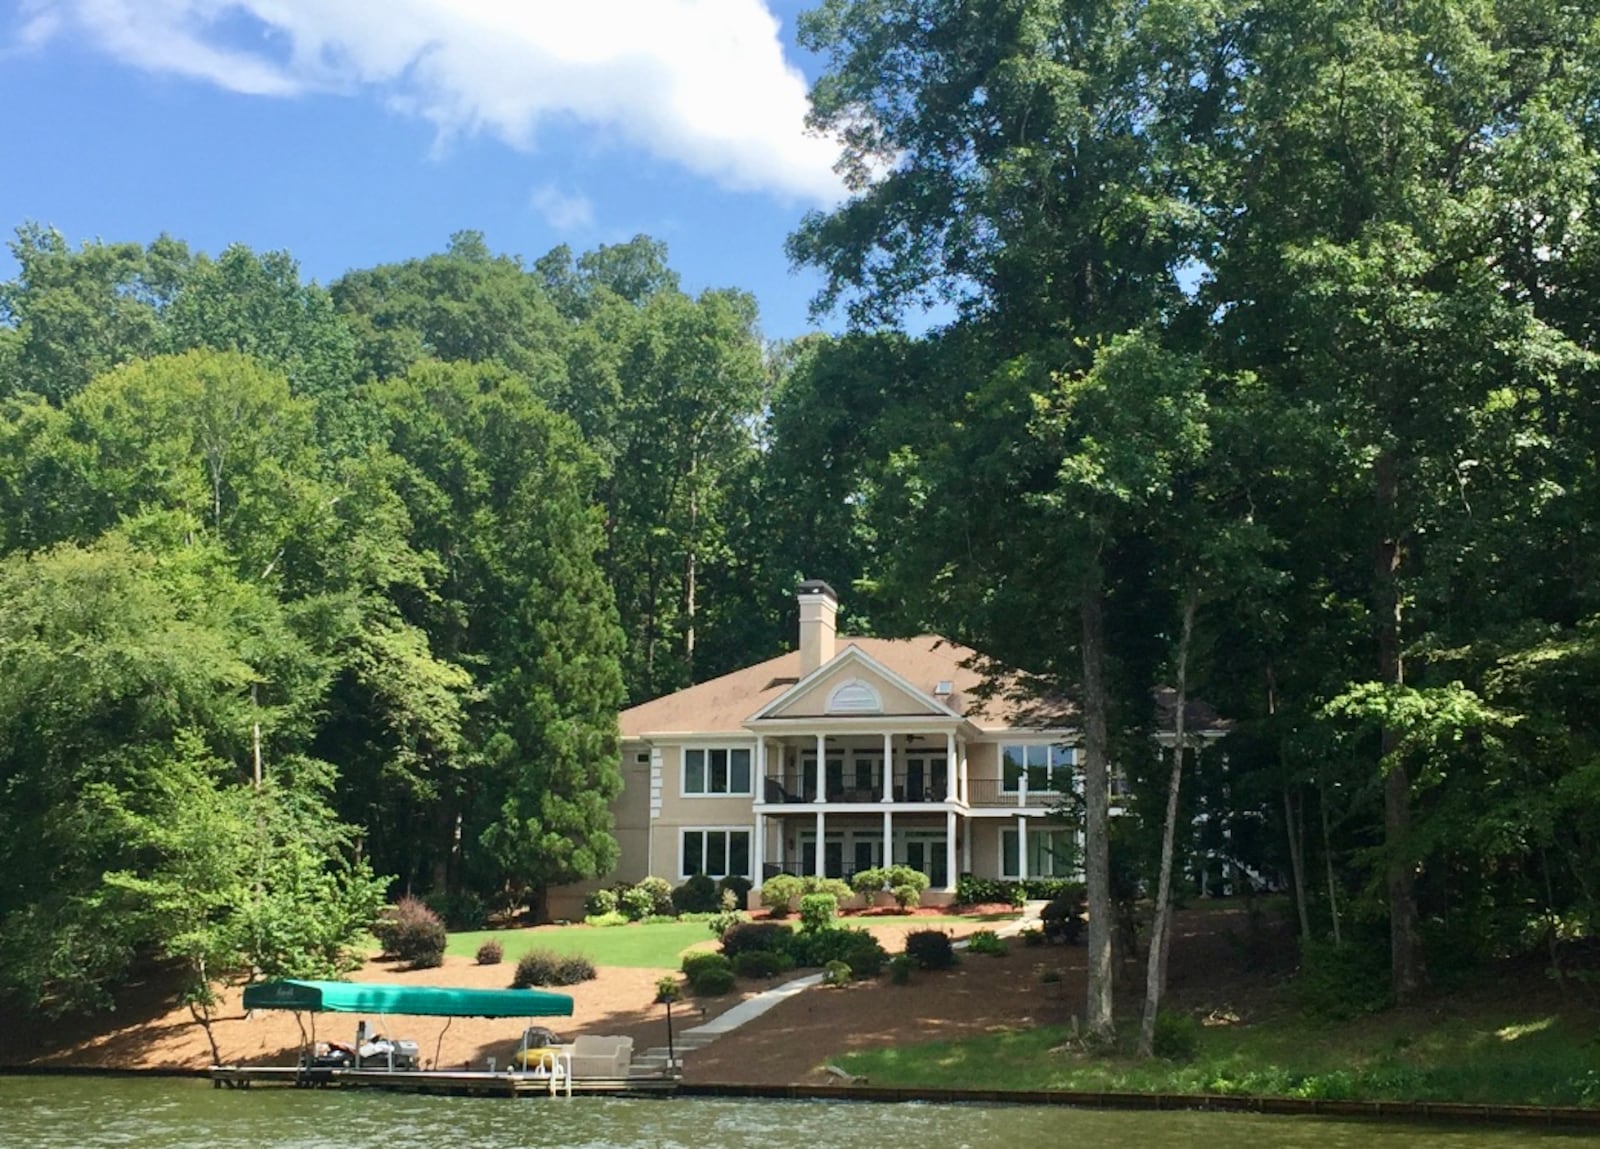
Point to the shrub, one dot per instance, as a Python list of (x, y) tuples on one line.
[(819, 947), (698, 895), (636, 903), (811, 884), (836, 973), (930, 949), (491, 952), (868, 883), (1339, 982), (1032, 936), (601, 921), (907, 898), (459, 911), (600, 902), (1177, 1037), (660, 891), (866, 957), (773, 937), (818, 911), (778, 892), (761, 963), (738, 887), (711, 980), (1063, 920), (720, 924), (986, 942), (900, 967), (410, 932), (546, 967), (695, 963), (668, 988), (971, 891)]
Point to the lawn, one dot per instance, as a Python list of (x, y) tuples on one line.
[(1495, 1057), (655, 946), (659, 945)]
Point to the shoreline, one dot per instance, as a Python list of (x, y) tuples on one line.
[(1456, 1113)]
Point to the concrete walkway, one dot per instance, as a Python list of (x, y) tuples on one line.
[(655, 1060)]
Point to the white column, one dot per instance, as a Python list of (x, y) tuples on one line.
[(1022, 848), (888, 837), (822, 781), (822, 837), (966, 791), (966, 846), (888, 779), (760, 849), (760, 783), (950, 766), (950, 849)]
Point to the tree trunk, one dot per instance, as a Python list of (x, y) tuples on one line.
[(1096, 793), (1161, 927), (1327, 859), (689, 569), (1406, 968), (1297, 861)]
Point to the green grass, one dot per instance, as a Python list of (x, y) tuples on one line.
[(636, 946), (656, 946), (1491, 1058)]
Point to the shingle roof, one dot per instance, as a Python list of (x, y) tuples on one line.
[(719, 705)]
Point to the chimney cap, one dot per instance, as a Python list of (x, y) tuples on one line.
[(816, 586)]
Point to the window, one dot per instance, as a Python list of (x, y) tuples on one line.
[(716, 853), (716, 771), (1052, 853), (854, 697), (1047, 768)]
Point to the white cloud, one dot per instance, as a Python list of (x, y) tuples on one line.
[(561, 211), (702, 83)]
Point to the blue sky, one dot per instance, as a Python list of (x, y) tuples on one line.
[(357, 132)]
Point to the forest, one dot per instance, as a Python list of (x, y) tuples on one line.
[(1265, 371)]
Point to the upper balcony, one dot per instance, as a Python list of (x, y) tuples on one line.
[(992, 793), (919, 785)]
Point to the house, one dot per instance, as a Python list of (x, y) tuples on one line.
[(846, 754)]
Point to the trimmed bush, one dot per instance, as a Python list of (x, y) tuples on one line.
[(986, 942), (818, 911), (635, 903), (900, 968), (1032, 936), (738, 887), (660, 891), (410, 932), (720, 924), (694, 963), (858, 947), (668, 988), (866, 957), (603, 920), (836, 973), (490, 952), (930, 949), (761, 963), (868, 883), (698, 895), (811, 884), (778, 892), (773, 937), (546, 967), (600, 902), (711, 980)]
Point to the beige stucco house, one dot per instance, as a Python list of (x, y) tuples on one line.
[(924, 761)]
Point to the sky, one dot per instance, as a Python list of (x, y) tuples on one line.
[(357, 132)]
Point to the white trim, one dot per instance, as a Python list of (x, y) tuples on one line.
[(853, 654), (750, 857)]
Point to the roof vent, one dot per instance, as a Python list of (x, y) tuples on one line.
[(945, 688)]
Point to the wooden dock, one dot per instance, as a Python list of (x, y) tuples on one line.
[(459, 1083)]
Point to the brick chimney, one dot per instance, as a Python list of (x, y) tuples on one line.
[(819, 609)]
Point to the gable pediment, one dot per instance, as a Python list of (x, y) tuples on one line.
[(853, 685)]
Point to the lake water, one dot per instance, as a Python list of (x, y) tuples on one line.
[(88, 1113)]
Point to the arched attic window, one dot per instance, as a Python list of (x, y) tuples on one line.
[(854, 697)]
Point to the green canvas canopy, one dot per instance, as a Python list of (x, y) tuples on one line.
[(405, 1000)]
